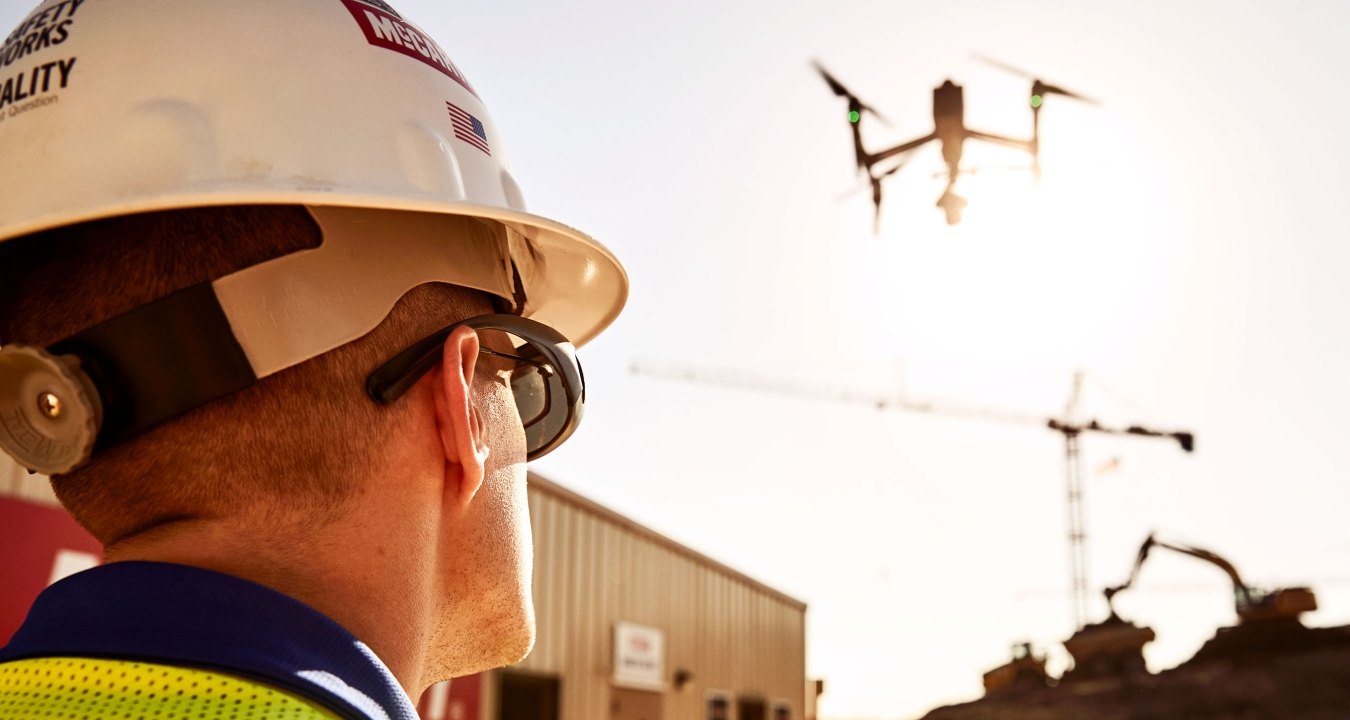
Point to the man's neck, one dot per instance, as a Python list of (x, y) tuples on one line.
[(377, 581)]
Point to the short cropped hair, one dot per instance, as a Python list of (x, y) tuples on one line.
[(298, 439)]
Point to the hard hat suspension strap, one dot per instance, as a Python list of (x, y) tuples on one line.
[(147, 366)]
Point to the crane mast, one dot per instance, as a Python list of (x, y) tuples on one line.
[(1073, 488)]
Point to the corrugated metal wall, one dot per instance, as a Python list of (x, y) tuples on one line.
[(594, 568)]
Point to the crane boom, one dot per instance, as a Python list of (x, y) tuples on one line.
[(1067, 425), (747, 380)]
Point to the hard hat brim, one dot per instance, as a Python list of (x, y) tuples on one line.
[(577, 286)]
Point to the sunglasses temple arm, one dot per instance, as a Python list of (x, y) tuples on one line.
[(390, 382)]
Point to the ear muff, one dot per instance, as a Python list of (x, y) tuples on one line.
[(50, 410)]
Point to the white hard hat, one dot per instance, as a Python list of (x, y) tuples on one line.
[(111, 108)]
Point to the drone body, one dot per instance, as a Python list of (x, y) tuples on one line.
[(949, 129)]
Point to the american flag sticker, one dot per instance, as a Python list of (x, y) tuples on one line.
[(468, 128)]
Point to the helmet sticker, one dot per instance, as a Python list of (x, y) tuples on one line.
[(384, 28), (383, 6), (27, 80), (468, 128)]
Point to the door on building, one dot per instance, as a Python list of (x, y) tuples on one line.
[(628, 704), (527, 697), (719, 706), (750, 708)]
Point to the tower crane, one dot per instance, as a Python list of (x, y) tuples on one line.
[(1070, 424)]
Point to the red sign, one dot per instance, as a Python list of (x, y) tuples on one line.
[(457, 699), (39, 545), (392, 33)]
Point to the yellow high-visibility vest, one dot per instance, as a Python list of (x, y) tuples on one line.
[(79, 688)]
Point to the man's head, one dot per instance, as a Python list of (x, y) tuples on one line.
[(294, 450)]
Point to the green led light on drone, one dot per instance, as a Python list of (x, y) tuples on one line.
[(1036, 101), (853, 116)]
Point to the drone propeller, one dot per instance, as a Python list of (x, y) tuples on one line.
[(871, 180), (1043, 89), (1005, 67), (854, 103), (875, 182), (1039, 89)]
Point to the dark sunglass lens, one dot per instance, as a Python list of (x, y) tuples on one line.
[(555, 420), (530, 387), (546, 385)]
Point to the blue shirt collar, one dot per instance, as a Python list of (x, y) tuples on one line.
[(175, 614)]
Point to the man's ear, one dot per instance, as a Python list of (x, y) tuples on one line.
[(457, 420)]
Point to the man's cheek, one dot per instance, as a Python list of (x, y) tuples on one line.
[(505, 434)]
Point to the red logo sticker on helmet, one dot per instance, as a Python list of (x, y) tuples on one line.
[(389, 31), (383, 6)]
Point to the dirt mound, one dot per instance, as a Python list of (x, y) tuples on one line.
[(1270, 670)]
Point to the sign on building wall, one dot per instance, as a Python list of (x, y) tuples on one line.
[(38, 546), (452, 700), (639, 656)]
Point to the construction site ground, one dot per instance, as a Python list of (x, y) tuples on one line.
[(1253, 672)]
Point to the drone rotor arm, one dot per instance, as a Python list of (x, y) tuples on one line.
[(1000, 140), (900, 149)]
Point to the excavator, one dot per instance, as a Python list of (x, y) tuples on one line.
[(1268, 620), (1115, 647), (1252, 605)]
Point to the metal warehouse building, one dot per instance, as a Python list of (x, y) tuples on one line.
[(632, 625)]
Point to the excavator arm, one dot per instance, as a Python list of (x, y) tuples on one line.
[(1111, 592), (1250, 604)]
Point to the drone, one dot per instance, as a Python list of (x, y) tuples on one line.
[(949, 129)]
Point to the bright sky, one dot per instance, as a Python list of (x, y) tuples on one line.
[(1186, 250)]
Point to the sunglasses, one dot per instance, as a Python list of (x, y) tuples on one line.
[(545, 376)]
